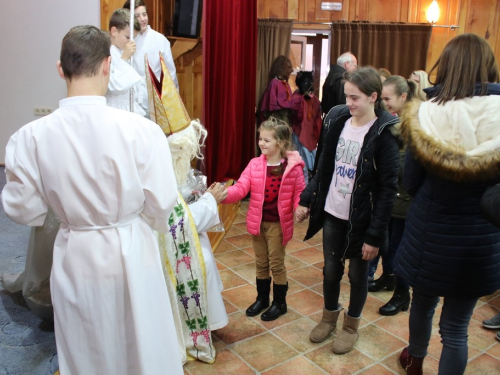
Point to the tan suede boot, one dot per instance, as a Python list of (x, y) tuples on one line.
[(348, 336), (327, 325)]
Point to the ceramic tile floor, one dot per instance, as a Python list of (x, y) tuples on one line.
[(282, 347)]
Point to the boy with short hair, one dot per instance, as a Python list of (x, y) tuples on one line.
[(150, 42), (123, 77), (107, 175)]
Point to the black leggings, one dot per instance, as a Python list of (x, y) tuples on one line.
[(334, 234)]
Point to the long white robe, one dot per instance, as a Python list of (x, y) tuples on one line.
[(152, 43), (107, 175), (205, 215), (122, 79)]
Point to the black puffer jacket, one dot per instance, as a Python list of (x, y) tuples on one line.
[(375, 183), (449, 248)]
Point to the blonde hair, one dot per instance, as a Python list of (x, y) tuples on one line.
[(281, 132), (423, 84), (186, 145)]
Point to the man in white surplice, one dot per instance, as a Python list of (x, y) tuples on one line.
[(107, 174), (152, 43)]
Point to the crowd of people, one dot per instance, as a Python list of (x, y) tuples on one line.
[(400, 168), (386, 167)]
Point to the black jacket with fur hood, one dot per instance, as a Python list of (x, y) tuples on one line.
[(449, 249), (375, 183)]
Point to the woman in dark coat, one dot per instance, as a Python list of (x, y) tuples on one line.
[(449, 249)]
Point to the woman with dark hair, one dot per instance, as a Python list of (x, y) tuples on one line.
[(351, 199), (449, 249), (278, 100)]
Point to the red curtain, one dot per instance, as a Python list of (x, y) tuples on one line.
[(229, 79)]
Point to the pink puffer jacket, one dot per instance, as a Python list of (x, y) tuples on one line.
[(253, 180)]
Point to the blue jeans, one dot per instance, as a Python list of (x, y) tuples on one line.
[(453, 324), (307, 156), (334, 234)]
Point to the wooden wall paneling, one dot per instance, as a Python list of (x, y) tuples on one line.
[(478, 16), (482, 19), (293, 10), (278, 9), (168, 7), (310, 10), (182, 46), (449, 15), (191, 55), (379, 10), (326, 15), (302, 10), (262, 9), (190, 76), (405, 11), (198, 87), (107, 9), (497, 44), (153, 9), (353, 11), (413, 10)]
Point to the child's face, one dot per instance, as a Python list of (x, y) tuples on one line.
[(268, 144), (120, 38), (393, 102), (358, 102), (142, 17)]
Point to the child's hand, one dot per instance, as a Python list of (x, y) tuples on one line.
[(129, 50), (369, 252), (218, 191), (301, 213)]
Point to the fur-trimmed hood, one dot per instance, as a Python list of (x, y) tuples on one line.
[(458, 140)]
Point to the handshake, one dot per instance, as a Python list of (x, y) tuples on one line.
[(301, 213), (218, 190)]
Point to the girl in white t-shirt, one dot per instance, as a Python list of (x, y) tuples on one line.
[(351, 198)]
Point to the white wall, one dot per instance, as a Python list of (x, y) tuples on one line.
[(31, 34)]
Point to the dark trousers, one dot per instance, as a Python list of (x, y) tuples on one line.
[(334, 234), (453, 325), (396, 230)]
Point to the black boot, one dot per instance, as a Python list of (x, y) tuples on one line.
[(262, 301), (399, 302), (384, 281), (278, 306)]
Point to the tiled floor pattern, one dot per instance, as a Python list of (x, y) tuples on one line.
[(282, 347)]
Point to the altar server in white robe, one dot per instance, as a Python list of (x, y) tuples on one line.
[(152, 43), (123, 77), (107, 174)]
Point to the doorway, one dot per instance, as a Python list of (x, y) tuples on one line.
[(310, 51)]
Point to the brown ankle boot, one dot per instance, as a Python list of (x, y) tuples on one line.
[(412, 365), (327, 325), (348, 336)]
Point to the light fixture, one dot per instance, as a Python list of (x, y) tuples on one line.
[(332, 6), (433, 12)]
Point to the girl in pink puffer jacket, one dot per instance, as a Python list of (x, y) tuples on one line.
[(275, 181)]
